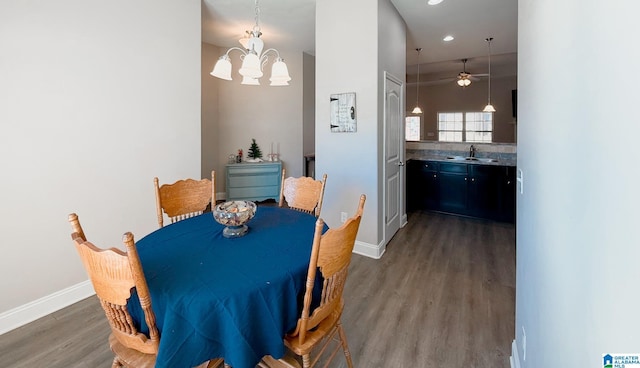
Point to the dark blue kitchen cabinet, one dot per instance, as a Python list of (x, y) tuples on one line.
[(484, 187), (483, 191), (422, 188), (453, 187)]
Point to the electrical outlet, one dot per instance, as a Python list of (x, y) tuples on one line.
[(524, 344), (343, 217)]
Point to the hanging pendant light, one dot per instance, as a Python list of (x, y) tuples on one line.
[(417, 109), (489, 107), (253, 59)]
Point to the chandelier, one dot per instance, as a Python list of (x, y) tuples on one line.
[(253, 60)]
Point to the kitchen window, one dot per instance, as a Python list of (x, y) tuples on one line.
[(412, 128), (465, 127)]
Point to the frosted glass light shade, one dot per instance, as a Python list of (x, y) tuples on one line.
[(279, 82), (489, 108), (250, 66), (222, 69), (279, 71), (417, 110), (250, 81), (463, 82)]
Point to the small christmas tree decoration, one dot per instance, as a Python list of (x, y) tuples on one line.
[(254, 150)]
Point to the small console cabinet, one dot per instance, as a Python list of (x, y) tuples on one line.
[(257, 181)]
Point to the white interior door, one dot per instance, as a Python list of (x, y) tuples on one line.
[(393, 155)]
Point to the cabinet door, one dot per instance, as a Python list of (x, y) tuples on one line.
[(422, 187), (430, 190), (414, 182), (508, 196), (484, 191), (452, 184)]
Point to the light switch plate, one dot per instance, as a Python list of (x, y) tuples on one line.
[(520, 180)]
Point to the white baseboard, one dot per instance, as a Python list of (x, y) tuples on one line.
[(514, 358), (369, 250), (31, 311)]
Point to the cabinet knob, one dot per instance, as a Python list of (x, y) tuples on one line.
[(473, 179), (465, 179), (435, 176), (508, 181)]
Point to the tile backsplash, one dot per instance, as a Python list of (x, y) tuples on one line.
[(500, 151)]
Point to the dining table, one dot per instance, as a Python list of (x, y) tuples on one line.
[(231, 298)]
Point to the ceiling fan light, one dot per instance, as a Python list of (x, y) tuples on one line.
[(461, 82), (222, 69)]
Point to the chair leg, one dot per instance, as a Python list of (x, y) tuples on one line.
[(345, 346), (116, 363), (306, 361)]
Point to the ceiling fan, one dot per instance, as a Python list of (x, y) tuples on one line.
[(464, 79)]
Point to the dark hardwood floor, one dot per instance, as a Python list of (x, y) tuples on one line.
[(443, 295)]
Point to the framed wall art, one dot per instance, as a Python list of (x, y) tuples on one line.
[(343, 112)]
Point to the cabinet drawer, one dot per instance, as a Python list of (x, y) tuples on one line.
[(257, 193), (453, 168), (253, 169), (498, 171), (429, 166), (254, 180)]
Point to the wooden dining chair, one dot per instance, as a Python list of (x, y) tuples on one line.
[(303, 194), (114, 274), (184, 198), (331, 256)]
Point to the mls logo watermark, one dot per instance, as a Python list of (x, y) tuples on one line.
[(620, 360)]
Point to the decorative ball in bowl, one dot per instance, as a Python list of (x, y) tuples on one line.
[(234, 215)]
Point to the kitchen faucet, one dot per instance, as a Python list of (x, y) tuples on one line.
[(472, 151)]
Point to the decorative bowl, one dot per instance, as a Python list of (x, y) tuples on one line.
[(234, 215)]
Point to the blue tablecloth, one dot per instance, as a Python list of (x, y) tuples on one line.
[(231, 298)]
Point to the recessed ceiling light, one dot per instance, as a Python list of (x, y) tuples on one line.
[(434, 2), (448, 38)]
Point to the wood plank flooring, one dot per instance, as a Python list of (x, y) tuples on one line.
[(443, 295)]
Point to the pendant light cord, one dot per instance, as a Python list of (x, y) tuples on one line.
[(489, 95), (418, 79)]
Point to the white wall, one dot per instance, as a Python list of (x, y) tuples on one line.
[(578, 251), (268, 114), (210, 139), (309, 104), (96, 98), (352, 160)]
